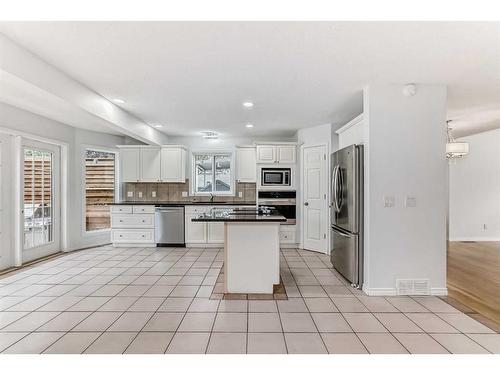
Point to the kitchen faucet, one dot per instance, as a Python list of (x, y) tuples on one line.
[(211, 198)]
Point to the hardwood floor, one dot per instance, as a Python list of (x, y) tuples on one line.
[(474, 276)]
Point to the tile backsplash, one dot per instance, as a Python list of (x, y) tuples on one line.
[(179, 192)]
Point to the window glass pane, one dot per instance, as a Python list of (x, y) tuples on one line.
[(28, 198), (38, 205), (203, 173), (222, 173), (99, 188)]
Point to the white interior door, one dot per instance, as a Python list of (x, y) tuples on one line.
[(315, 208), (40, 200), (6, 244)]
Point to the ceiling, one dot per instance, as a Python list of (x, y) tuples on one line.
[(193, 76)]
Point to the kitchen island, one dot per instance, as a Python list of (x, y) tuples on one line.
[(251, 248)]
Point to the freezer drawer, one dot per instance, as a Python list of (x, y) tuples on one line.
[(346, 256)]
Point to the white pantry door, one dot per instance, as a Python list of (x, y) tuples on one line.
[(315, 209), (6, 198)]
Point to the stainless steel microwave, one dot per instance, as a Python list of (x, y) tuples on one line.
[(276, 177)]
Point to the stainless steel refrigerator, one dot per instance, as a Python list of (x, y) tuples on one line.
[(347, 213)]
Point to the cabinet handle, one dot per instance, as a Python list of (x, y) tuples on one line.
[(121, 221), (144, 221), (143, 236), (121, 236)]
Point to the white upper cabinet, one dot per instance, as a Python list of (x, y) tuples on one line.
[(285, 154), (153, 164), (173, 164), (266, 154), (130, 164), (276, 154), (150, 164), (246, 167)]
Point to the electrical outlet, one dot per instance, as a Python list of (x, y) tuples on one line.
[(130, 194), (240, 194), (411, 201), (139, 194), (153, 194), (389, 201), (184, 194)]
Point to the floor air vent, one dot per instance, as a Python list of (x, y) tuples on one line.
[(413, 287)]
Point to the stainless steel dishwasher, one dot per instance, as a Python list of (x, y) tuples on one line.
[(169, 226)]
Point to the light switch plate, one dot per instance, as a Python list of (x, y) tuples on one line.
[(184, 194), (153, 194), (139, 194), (240, 194), (389, 201), (411, 201), (130, 194)]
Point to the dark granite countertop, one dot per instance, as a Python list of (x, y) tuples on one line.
[(181, 203), (240, 215)]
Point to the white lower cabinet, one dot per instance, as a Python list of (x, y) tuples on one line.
[(288, 235), (204, 234), (215, 233), (133, 226)]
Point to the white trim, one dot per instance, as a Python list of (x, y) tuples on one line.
[(356, 120), (474, 239), (393, 292), (117, 192), (275, 143)]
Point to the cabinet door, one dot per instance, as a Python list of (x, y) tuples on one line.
[(195, 232), (246, 167), (150, 164), (215, 233), (266, 154), (286, 154), (173, 165), (129, 164)]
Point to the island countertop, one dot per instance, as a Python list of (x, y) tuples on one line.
[(239, 215)]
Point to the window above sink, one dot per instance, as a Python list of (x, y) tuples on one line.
[(212, 173)]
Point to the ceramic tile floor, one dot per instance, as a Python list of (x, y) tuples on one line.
[(156, 300)]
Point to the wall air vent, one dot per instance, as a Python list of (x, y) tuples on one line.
[(413, 287)]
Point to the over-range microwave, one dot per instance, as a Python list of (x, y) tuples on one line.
[(276, 177)]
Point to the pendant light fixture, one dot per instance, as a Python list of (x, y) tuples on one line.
[(454, 149)]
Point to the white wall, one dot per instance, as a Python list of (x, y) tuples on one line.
[(475, 190), (17, 121), (405, 140), (317, 135)]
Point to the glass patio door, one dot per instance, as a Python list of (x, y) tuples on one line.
[(40, 200)]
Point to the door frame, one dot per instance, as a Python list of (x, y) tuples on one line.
[(6, 189), (327, 200), (17, 174), (40, 251)]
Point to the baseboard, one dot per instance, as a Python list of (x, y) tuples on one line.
[(474, 239), (393, 291), (134, 244)]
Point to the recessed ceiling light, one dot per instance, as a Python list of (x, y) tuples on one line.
[(158, 126), (249, 126), (248, 104), (119, 101)]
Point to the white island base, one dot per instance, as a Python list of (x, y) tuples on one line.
[(251, 257)]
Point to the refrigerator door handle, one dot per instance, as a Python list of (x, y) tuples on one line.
[(340, 190), (332, 186), (343, 234), (336, 188)]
